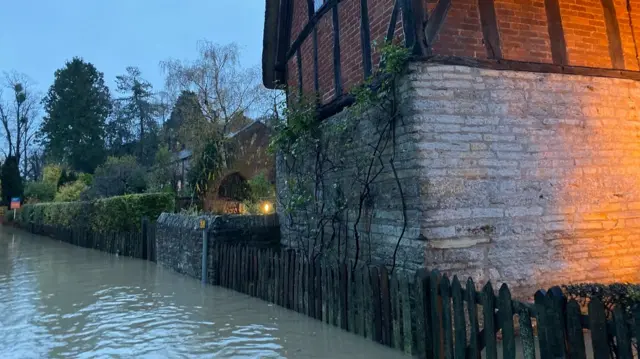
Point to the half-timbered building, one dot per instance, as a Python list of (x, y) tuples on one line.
[(521, 138)]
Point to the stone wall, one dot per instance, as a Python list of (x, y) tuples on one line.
[(526, 178), (349, 143), (518, 177), (179, 239)]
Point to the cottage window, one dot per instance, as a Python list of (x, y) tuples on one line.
[(317, 4)]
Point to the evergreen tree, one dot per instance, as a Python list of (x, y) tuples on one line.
[(139, 109), (10, 180), (76, 105)]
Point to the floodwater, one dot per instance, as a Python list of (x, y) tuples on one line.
[(62, 301)]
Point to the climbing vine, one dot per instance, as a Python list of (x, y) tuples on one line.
[(332, 169)]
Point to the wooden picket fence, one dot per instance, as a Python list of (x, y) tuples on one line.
[(427, 315), (138, 244)]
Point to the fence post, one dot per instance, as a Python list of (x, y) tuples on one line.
[(145, 235), (205, 249), (556, 314)]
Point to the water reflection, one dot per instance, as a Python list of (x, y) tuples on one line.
[(63, 301)]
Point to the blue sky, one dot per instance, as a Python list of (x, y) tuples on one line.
[(38, 36)]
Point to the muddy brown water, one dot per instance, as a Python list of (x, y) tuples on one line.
[(62, 301)]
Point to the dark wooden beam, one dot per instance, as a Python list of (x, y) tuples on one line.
[(340, 102), (337, 73), (316, 79), (316, 82), (613, 34), (556, 32), (285, 38), (393, 21), (419, 18), (310, 8), (299, 61), (365, 38), (531, 67), (490, 28), (435, 21), (335, 106), (308, 28), (408, 24)]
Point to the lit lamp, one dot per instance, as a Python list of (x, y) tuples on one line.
[(266, 207)]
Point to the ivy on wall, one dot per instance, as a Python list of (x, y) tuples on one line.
[(331, 167)]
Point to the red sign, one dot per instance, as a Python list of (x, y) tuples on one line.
[(15, 203)]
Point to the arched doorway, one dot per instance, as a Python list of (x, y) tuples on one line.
[(227, 198), (233, 187)]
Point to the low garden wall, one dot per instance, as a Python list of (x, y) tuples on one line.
[(179, 238)]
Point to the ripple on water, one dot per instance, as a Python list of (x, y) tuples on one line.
[(63, 301)]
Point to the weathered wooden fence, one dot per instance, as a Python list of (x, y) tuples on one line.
[(140, 244), (427, 315)]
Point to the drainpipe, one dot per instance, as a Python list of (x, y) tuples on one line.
[(205, 249)]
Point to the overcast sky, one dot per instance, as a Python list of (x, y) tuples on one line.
[(38, 36)]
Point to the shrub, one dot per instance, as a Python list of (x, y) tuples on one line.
[(612, 295), (39, 192), (125, 212), (85, 178), (51, 174), (161, 177), (116, 177), (261, 192), (67, 177), (66, 214), (70, 192), (122, 213), (626, 296)]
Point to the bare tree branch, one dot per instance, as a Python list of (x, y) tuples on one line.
[(19, 114)]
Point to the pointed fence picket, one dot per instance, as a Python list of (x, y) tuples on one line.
[(429, 315)]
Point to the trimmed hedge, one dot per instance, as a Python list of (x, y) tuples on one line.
[(122, 213)]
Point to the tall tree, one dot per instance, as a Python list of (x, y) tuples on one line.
[(186, 125), (19, 116), (10, 180), (225, 90), (139, 106), (76, 105), (119, 135)]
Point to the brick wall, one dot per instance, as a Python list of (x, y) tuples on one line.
[(634, 19), (350, 44), (461, 34), (522, 27), (585, 33), (626, 33), (523, 30), (530, 179), (300, 17), (379, 17)]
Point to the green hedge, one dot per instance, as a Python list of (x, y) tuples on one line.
[(122, 213)]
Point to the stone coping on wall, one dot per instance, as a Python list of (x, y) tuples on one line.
[(216, 223)]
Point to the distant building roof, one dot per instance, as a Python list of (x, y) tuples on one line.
[(186, 154), (245, 128)]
